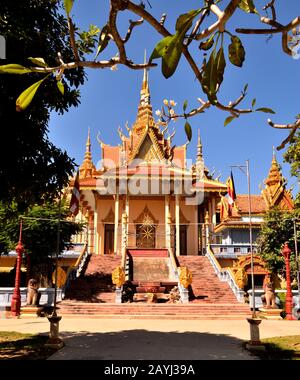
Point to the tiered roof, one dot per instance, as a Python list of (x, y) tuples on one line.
[(156, 155)]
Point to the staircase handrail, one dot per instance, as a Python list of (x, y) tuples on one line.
[(225, 275), (173, 262), (75, 270), (123, 258)]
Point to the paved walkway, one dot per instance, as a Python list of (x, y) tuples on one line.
[(136, 339)]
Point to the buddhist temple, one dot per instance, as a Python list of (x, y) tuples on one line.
[(144, 199), (145, 189), (158, 229)]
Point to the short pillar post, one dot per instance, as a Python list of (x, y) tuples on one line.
[(254, 342), (54, 340)]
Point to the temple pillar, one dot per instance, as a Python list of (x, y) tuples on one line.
[(124, 233), (96, 235), (196, 231), (177, 224), (206, 229), (127, 211), (116, 222), (213, 210), (167, 222), (91, 231)]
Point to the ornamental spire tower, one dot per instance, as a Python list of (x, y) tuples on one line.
[(275, 193), (144, 118), (199, 161), (87, 168)]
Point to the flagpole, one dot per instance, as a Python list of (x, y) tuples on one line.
[(54, 314), (251, 240), (54, 340), (247, 167)]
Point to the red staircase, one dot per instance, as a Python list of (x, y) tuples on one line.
[(92, 295), (96, 283), (206, 287)]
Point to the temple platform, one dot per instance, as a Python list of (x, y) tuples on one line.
[(270, 313)]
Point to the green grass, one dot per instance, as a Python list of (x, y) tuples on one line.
[(16, 346), (281, 348)]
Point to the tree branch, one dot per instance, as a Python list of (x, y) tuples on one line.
[(131, 26), (292, 126), (223, 18), (72, 39)]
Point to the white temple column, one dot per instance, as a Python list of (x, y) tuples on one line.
[(116, 222), (167, 222), (96, 235), (177, 223), (196, 232), (213, 210), (127, 211)]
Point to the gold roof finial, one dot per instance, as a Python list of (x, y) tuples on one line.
[(88, 141), (274, 154), (199, 147), (145, 93)]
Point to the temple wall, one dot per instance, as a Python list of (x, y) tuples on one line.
[(157, 209)]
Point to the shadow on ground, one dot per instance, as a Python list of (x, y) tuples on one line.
[(150, 345)]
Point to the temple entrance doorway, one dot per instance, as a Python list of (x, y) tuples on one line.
[(109, 238)]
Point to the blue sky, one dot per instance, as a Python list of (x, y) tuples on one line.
[(110, 98)]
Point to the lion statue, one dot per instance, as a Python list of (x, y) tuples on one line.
[(32, 292), (269, 297)]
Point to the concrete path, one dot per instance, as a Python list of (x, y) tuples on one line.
[(136, 339)]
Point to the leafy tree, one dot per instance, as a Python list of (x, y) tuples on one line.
[(208, 25), (32, 169), (39, 232), (277, 228)]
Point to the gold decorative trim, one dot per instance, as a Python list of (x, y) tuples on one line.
[(146, 217)]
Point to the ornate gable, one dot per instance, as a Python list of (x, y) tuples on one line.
[(275, 193), (146, 218)]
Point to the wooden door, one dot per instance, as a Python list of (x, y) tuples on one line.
[(109, 239)]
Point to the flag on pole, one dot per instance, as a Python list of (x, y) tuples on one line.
[(74, 205), (224, 208), (231, 193)]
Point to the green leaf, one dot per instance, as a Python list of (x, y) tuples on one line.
[(38, 61), (184, 21), (103, 40), (26, 97), (228, 120), (188, 130), (266, 110), (206, 45), (253, 102), (236, 52), (170, 47), (213, 74), (60, 86), (185, 105), (247, 6), (245, 88), (14, 69), (68, 6)]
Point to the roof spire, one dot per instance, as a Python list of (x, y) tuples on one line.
[(274, 155), (145, 93), (88, 143), (199, 147), (200, 168), (87, 167)]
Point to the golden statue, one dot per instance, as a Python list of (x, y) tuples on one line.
[(118, 277), (241, 277), (185, 277)]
